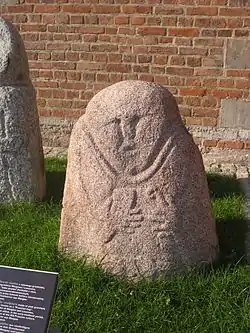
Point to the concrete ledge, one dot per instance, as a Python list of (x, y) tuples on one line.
[(235, 114)]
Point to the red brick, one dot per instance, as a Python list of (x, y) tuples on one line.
[(242, 84), (137, 20), (177, 61), (150, 40), (139, 49), (126, 31), (165, 10), (114, 57), (194, 61), (160, 59), (210, 143), (90, 38), (210, 82), (161, 79), (122, 20), (132, 9), (20, 9), (241, 33), (226, 83), (154, 20), (193, 51), (118, 68), (157, 70), (100, 77), (209, 33), (146, 77), (234, 23), (208, 72), (193, 121), (205, 112), (104, 48), (230, 144), (209, 101), (202, 22), (74, 76), (33, 27), (247, 144), (144, 58), (238, 73), (240, 12), (183, 41), (192, 92), (100, 57), (165, 40), (166, 50), (193, 81), (152, 31), (185, 21), (169, 21), (185, 32), (129, 58), (208, 121), (46, 8), (140, 68), (227, 93), (92, 30), (212, 62), (106, 9), (182, 71), (205, 11), (76, 9)]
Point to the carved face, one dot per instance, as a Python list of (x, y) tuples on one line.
[(129, 132)]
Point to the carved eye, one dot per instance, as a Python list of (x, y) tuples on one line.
[(117, 121), (135, 120)]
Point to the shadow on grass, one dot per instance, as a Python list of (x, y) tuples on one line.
[(232, 237), (223, 186), (55, 184), (231, 231), (55, 178)]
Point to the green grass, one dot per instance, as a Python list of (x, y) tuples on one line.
[(90, 300)]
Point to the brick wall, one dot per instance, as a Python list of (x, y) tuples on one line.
[(76, 48)]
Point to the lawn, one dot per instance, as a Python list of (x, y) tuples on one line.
[(90, 300)]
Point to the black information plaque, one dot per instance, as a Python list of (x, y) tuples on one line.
[(26, 298)]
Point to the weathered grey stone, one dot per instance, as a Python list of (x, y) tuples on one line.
[(235, 113), (136, 197), (237, 53), (21, 154)]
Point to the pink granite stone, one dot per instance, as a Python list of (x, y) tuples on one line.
[(136, 198)]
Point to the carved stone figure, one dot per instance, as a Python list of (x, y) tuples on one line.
[(21, 154), (136, 197)]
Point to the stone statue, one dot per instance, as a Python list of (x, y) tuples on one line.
[(21, 154), (136, 197)]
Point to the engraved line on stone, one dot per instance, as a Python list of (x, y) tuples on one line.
[(108, 166), (143, 176), (111, 236)]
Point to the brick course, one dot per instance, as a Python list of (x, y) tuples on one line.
[(76, 48)]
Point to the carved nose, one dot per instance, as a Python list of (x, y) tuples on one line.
[(128, 132), (128, 129)]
